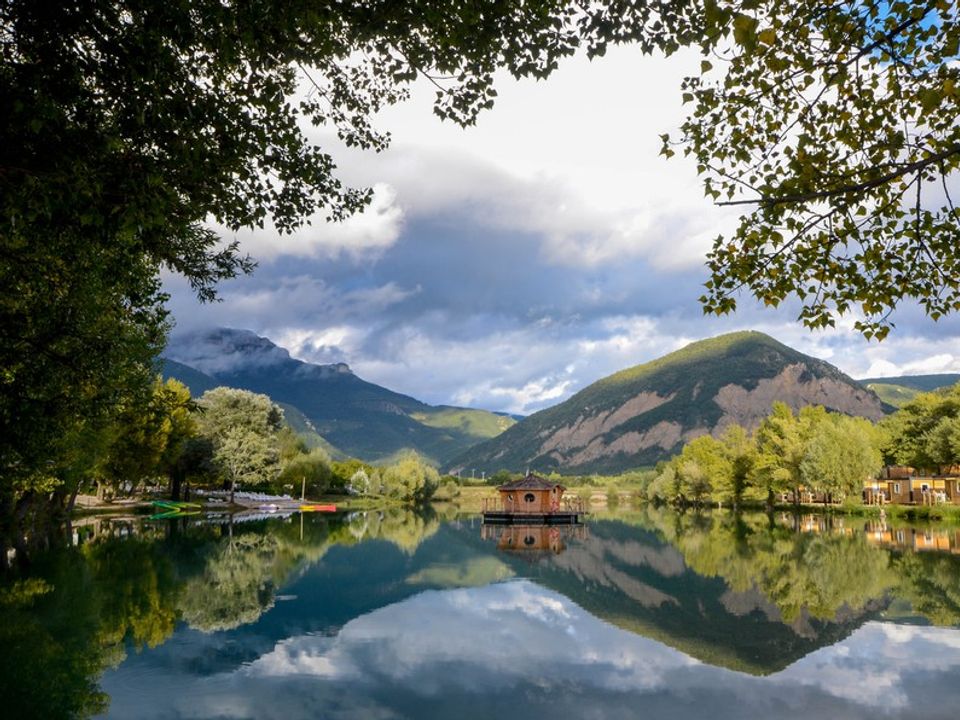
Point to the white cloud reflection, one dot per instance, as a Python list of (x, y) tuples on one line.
[(473, 652)]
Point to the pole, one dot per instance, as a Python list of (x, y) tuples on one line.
[(303, 487)]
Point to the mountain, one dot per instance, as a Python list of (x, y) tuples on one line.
[(646, 413), (898, 391), (197, 382), (358, 417)]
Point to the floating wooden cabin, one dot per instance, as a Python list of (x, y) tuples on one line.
[(532, 499)]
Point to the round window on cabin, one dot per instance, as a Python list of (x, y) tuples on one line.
[(529, 540), (529, 497)]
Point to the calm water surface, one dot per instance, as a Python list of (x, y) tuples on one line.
[(403, 615)]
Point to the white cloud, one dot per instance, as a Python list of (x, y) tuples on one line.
[(574, 160), (360, 236), (560, 187)]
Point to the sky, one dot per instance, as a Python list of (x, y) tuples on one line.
[(508, 265)]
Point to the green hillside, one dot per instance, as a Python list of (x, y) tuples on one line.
[(687, 380), (197, 382), (302, 426), (897, 391), (896, 395), (471, 422)]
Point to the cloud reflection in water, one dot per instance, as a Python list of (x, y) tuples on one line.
[(516, 648)]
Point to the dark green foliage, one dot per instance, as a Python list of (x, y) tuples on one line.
[(834, 124)]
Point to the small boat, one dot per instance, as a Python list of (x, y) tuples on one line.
[(318, 508), (176, 504)]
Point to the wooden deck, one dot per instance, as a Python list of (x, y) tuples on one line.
[(568, 512)]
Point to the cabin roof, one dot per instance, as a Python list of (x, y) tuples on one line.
[(531, 482)]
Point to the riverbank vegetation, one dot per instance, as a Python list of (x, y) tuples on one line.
[(812, 453), (164, 442)]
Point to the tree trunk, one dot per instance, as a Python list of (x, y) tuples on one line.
[(176, 481)]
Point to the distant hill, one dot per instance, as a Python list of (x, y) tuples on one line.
[(898, 391), (197, 382), (645, 413), (360, 418), (301, 425)]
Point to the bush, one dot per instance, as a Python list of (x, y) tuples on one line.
[(410, 478), (312, 467)]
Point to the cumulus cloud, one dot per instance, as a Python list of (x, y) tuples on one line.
[(359, 237), (509, 265)]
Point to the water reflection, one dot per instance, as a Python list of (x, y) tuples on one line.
[(533, 541), (516, 645), (408, 614)]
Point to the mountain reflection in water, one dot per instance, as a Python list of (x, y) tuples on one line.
[(398, 614)]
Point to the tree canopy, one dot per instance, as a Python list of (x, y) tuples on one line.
[(834, 125), (129, 128), (814, 450), (244, 428)]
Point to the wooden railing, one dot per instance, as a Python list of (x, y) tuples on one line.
[(566, 505)]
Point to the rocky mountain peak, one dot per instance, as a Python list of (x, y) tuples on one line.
[(221, 351)]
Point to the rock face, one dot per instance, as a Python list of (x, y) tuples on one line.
[(646, 413)]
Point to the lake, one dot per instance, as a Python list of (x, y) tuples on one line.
[(398, 614)]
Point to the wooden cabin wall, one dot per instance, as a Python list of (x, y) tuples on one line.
[(544, 500)]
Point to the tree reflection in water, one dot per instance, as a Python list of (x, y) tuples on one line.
[(701, 583)]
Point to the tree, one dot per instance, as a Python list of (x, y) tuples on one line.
[(244, 429), (914, 435), (179, 455), (310, 471), (943, 441), (834, 124), (702, 466), (127, 127), (841, 453), (780, 448), (149, 435), (359, 483), (410, 478), (665, 486), (740, 452)]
